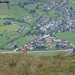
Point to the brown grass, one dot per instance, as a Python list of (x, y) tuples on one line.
[(16, 64)]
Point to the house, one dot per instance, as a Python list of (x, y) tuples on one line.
[(48, 41), (14, 45), (30, 46), (12, 23), (19, 30), (23, 27), (26, 17), (44, 36), (57, 40)]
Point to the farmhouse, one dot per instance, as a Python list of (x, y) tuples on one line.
[(57, 40), (48, 41)]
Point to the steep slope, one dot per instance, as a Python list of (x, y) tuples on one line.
[(12, 9)]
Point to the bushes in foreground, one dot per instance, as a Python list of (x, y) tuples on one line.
[(16, 64)]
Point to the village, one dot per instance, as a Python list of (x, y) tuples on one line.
[(45, 42), (45, 27), (37, 37)]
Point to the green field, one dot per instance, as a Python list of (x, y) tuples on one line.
[(13, 11), (21, 41), (4, 51), (45, 53), (4, 9), (9, 28), (7, 36), (1, 22), (26, 39), (70, 36), (19, 12), (52, 13), (30, 6), (38, 53), (71, 4)]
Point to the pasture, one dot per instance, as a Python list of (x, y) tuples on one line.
[(45, 53), (7, 36), (30, 6), (8, 28), (23, 40), (70, 36), (37, 53), (8, 33)]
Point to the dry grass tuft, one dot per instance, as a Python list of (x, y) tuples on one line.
[(16, 64)]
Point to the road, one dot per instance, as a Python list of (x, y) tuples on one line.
[(68, 50)]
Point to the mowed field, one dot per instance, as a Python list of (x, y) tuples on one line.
[(9, 28), (70, 36), (45, 53)]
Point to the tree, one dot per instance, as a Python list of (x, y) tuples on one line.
[(7, 23), (71, 8), (25, 3), (33, 11), (37, 7), (28, 33), (15, 46)]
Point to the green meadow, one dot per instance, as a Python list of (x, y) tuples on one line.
[(9, 28), (70, 36), (45, 53), (71, 4), (23, 40)]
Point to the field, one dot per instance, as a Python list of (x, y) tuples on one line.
[(17, 64), (11, 33), (44, 53), (4, 51), (8, 28), (38, 53), (26, 39), (71, 4), (20, 42), (70, 36), (13, 11)]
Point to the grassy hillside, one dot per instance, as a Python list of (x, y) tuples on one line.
[(9, 28), (13, 11), (4, 10), (16, 64), (70, 36)]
